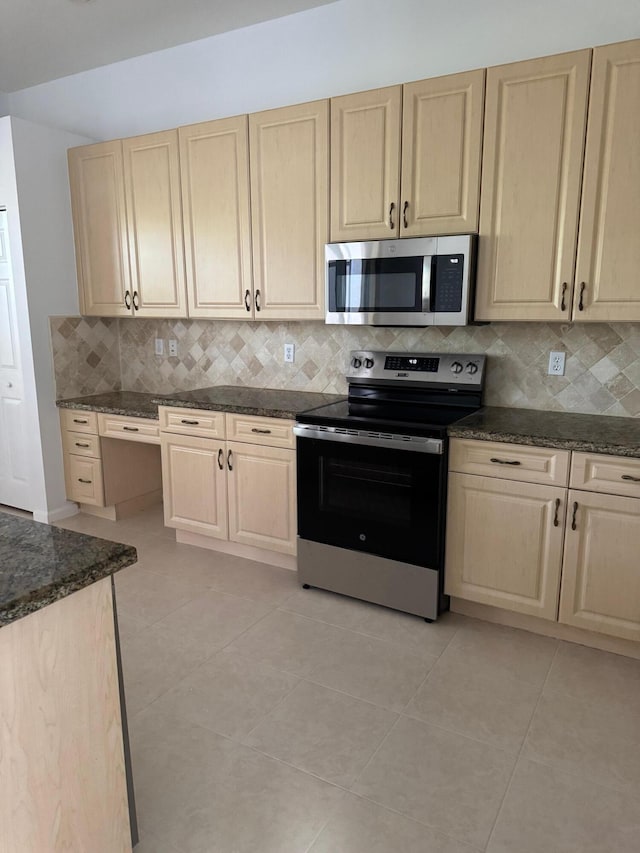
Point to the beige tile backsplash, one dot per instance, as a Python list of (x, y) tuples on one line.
[(602, 375)]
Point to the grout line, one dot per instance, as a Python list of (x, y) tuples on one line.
[(524, 740)]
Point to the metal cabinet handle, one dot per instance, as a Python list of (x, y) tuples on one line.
[(392, 207), (583, 287), (574, 526), (563, 304), (80, 421), (630, 478), (230, 460), (189, 423), (127, 300), (261, 431), (81, 444), (404, 214), (136, 306), (247, 300), (257, 301), (505, 461), (131, 429), (220, 459), (556, 520), (88, 482)]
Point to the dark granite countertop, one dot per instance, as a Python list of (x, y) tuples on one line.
[(40, 564), (133, 403), (564, 430), (264, 402)]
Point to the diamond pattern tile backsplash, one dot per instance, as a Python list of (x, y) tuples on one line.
[(602, 373)]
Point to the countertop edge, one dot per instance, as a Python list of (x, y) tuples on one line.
[(107, 410)]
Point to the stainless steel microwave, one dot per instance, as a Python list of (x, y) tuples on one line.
[(421, 281)]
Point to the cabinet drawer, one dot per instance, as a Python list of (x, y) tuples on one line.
[(510, 461), (614, 475), (273, 432), (192, 422), (78, 420), (83, 478), (131, 429), (81, 444)]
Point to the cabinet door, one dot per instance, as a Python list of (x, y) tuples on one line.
[(262, 496), (441, 154), (289, 210), (601, 572), (609, 247), (365, 165), (214, 166), (194, 484), (504, 543), (154, 217), (100, 229), (534, 130)]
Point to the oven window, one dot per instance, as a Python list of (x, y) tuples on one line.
[(376, 284), (366, 490)]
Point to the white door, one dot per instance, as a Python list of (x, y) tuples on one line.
[(14, 463)]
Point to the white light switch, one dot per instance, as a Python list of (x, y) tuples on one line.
[(159, 346)]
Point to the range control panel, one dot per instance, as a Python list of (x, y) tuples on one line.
[(443, 369)]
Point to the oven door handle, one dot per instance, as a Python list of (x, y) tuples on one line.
[(412, 443)]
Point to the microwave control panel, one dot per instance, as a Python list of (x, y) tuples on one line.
[(447, 280)]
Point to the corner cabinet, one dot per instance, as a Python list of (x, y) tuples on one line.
[(289, 167), (406, 159), (535, 120), (564, 554), (230, 479)]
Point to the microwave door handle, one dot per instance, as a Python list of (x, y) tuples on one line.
[(426, 285)]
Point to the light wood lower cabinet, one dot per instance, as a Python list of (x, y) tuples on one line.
[(601, 572), (242, 491), (504, 543)]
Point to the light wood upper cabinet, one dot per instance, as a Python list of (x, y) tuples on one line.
[(601, 572), (289, 210), (535, 120), (100, 227), (365, 165), (154, 218), (441, 154), (214, 164), (609, 246), (504, 543)]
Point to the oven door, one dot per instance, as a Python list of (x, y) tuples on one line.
[(380, 500)]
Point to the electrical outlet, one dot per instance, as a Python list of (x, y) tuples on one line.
[(556, 364), (159, 346), (289, 353), (173, 347)]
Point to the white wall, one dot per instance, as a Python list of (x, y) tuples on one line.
[(343, 47), (44, 268)]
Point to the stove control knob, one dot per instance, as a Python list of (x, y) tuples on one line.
[(368, 363), (356, 362), (472, 368), (456, 367)]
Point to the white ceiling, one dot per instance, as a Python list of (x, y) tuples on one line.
[(42, 40)]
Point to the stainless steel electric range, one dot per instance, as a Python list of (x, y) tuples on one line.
[(372, 478)]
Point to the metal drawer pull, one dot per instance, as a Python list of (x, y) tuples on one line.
[(404, 214), (556, 521), (80, 421), (220, 459), (574, 526), (257, 301), (630, 478), (88, 482), (81, 444), (230, 460), (505, 461), (127, 300), (189, 423), (135, 300), (261, 431), (583, 287), (563, 304), (131, 429), (392, 207), (247, 300)]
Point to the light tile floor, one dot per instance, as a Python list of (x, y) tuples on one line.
[(269, 719)]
